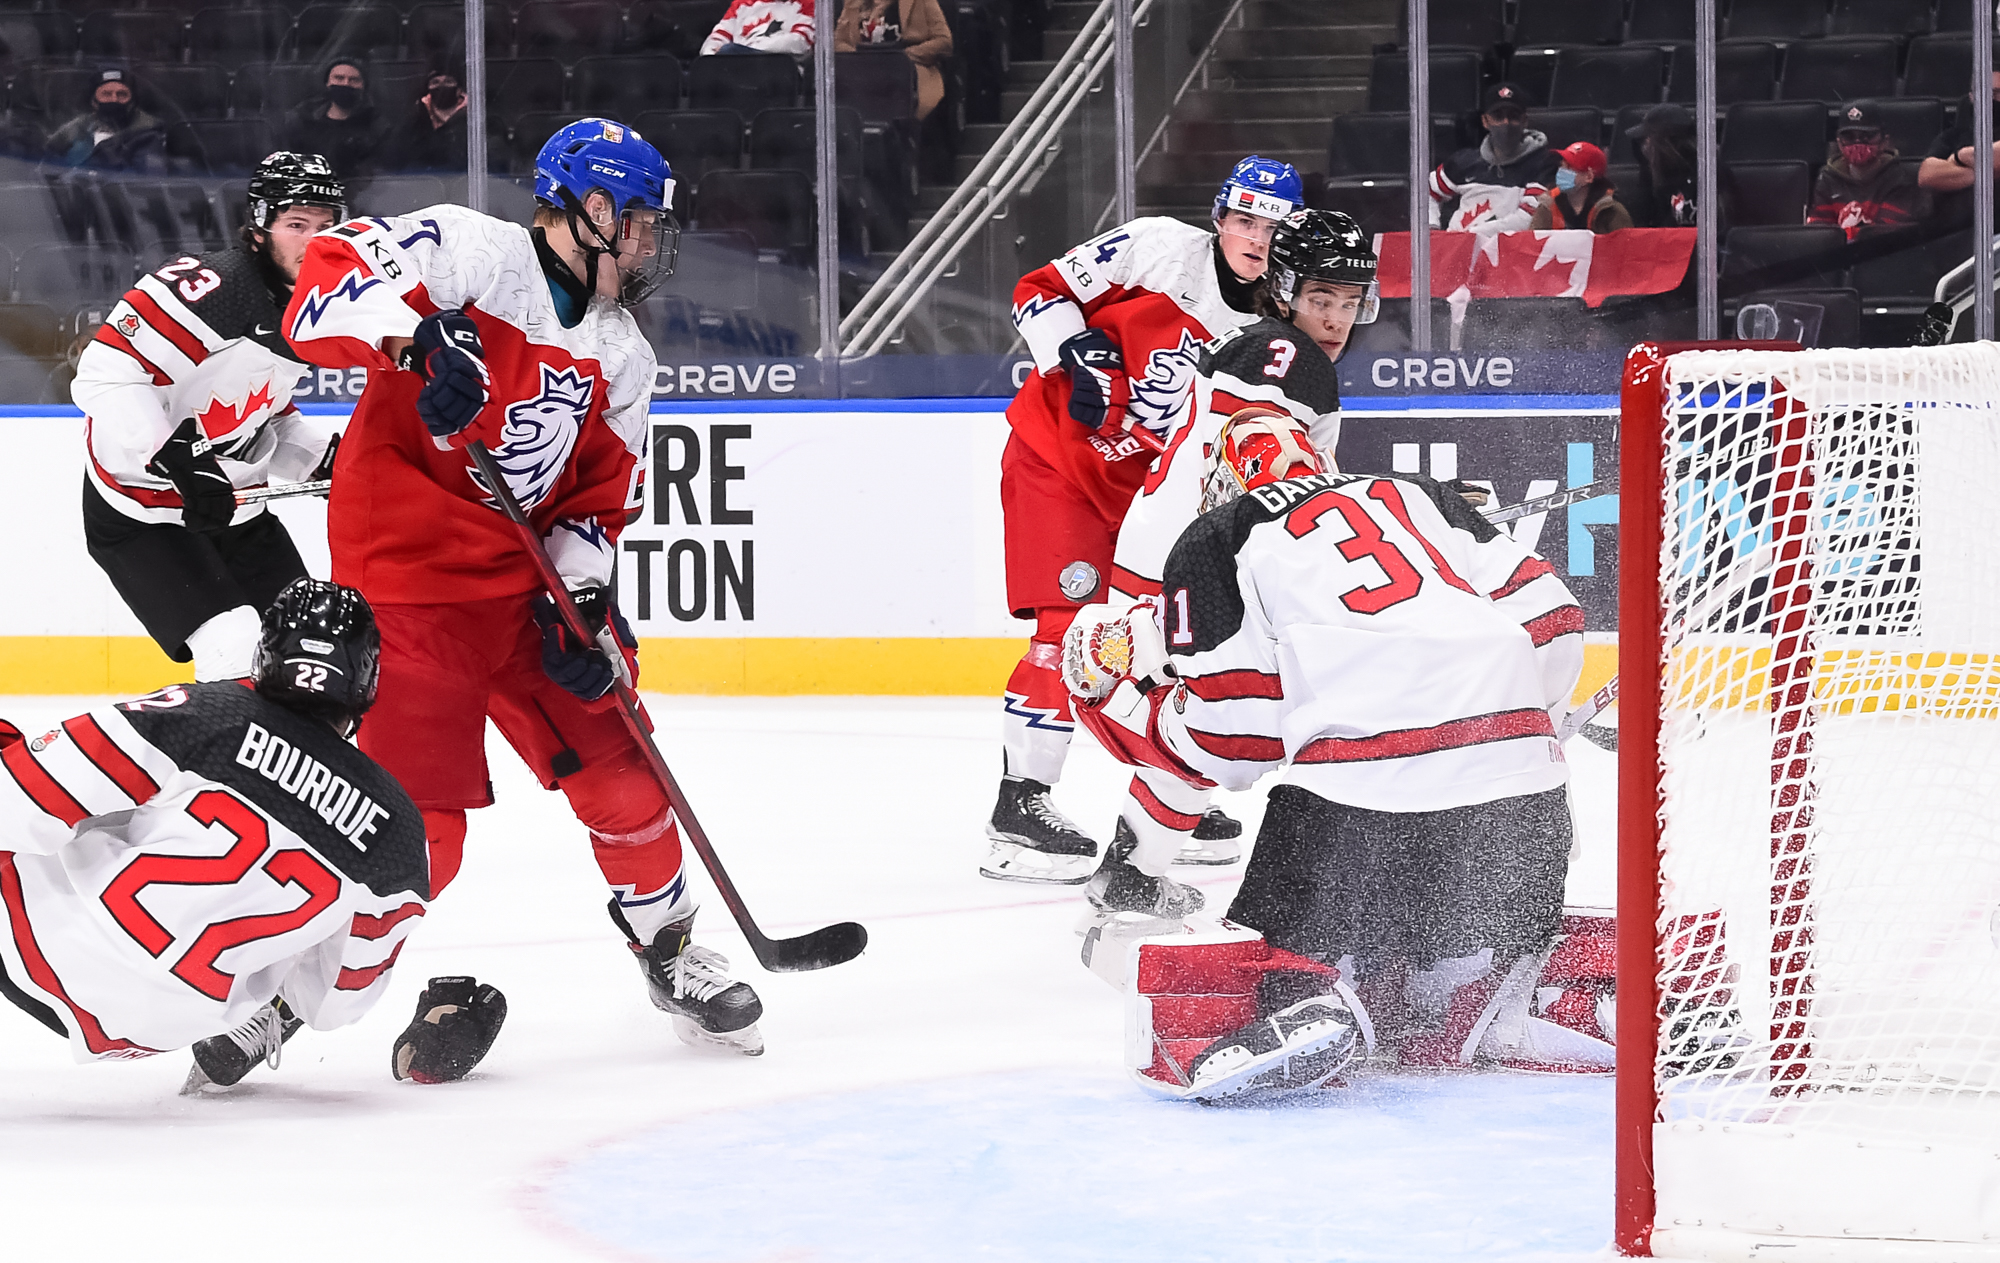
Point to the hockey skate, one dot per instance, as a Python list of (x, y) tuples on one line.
[(221, 1061), (1217, 840), (1032, 841), (1292, 1050), (1119, 887), (692, 985)]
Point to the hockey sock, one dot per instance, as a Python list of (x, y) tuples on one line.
[(1162, 811), (645, 874), (222, 646), (444, 827), (1038, 721)]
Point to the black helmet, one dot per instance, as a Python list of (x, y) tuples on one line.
[(294, 179), (1322, 245), (319, 653)]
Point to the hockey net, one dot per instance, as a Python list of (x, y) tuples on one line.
[(1808, 533)]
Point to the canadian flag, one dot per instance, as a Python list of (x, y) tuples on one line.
[(1566, 263)]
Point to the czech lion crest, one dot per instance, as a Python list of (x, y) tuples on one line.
[(539, 435)]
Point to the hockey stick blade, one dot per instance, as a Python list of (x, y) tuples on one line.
[(1553, 500), (832, 945), (284, 491)]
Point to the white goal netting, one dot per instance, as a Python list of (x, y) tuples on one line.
[(1828, 1056)]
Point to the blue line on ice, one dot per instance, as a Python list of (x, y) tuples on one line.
[(1043, 1168)]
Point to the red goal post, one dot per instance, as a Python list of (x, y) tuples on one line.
[(1809, 804)]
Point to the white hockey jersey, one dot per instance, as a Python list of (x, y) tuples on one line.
[(172, 863), (1269, 362), (196, 338), (1374, 633)]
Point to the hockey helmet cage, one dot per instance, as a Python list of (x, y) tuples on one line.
[(319, 653), (286, 179), (1258, 445), (1263, 187), (599, 154), (1321, 245)]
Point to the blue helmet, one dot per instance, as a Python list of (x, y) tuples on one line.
[(1263, 187), (594, 154)]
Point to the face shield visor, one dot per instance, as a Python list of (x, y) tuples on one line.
[(1367, 305), (647, 244)]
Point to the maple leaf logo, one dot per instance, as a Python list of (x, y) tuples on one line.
[(220, 419)]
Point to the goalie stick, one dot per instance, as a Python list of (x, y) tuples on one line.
[(1553, 500), (829, 945), (285, 491)]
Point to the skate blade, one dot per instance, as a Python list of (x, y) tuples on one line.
[(1123, 926), (199, 1084), (1205, 856), (1243, 1076), (748, 1041), (1010, 861)]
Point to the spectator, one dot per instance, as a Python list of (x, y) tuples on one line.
[(340, 125), (1582, 198), (1497, 183), (432, 136), (113, 134), (1863, 187), (1950, 166), (1665, 196), (763, 26), (915, 26)]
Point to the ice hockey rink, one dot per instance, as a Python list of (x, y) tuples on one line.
[(956, 1093)]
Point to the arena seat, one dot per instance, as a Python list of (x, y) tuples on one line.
[(1775, 19), (626, 85), (1744, 71), (745, 83), (1767, 191), (1775, 129), (237, 37), (1845, 69), (1608, 77), (1455, 81)]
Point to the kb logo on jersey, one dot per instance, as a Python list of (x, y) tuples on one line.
[(539, 435)]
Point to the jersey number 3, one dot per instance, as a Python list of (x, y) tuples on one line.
[(1283, 352), (196, 966)]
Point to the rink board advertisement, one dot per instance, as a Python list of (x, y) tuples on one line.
[(815, 547)]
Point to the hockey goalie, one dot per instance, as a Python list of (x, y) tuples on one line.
[(1403, 659)]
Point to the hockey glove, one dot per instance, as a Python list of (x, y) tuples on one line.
[(449, 357), (324, 470), (457, 1021), (587, 671), (1098, 387), (1105, 645), (187, 460)]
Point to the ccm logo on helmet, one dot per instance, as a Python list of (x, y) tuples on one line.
[(352, 813)]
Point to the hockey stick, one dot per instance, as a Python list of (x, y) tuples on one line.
[(830, 945), (1579, 719), (284, 491), (1553, 500)]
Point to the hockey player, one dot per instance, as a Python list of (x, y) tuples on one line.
[(1321, 283), (216, 858), (1115, 327), (187, 391), (1404, 659), (517, 338)]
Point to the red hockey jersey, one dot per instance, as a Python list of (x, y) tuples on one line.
[(409, 521), (1151, 285)]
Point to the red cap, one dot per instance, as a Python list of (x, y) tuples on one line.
[(1585, 156)]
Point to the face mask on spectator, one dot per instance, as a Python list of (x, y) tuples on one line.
[(345, 95), (1566, 179), (1507, 134), (445, 95), (1859, 152), (114, 113)]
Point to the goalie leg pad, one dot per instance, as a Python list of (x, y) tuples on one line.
[(457, 1020)]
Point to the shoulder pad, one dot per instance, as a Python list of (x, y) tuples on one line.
[(235, 303), (1275, 353)]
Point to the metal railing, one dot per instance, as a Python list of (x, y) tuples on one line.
[(1020, 156)]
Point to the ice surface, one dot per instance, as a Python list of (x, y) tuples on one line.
[(953, 1094)]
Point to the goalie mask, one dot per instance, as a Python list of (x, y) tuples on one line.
[(319, 653), (1258, 446), (1318, 245)]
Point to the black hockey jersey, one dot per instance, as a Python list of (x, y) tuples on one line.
[(196, 338), (1268, 362), (176, 861)]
